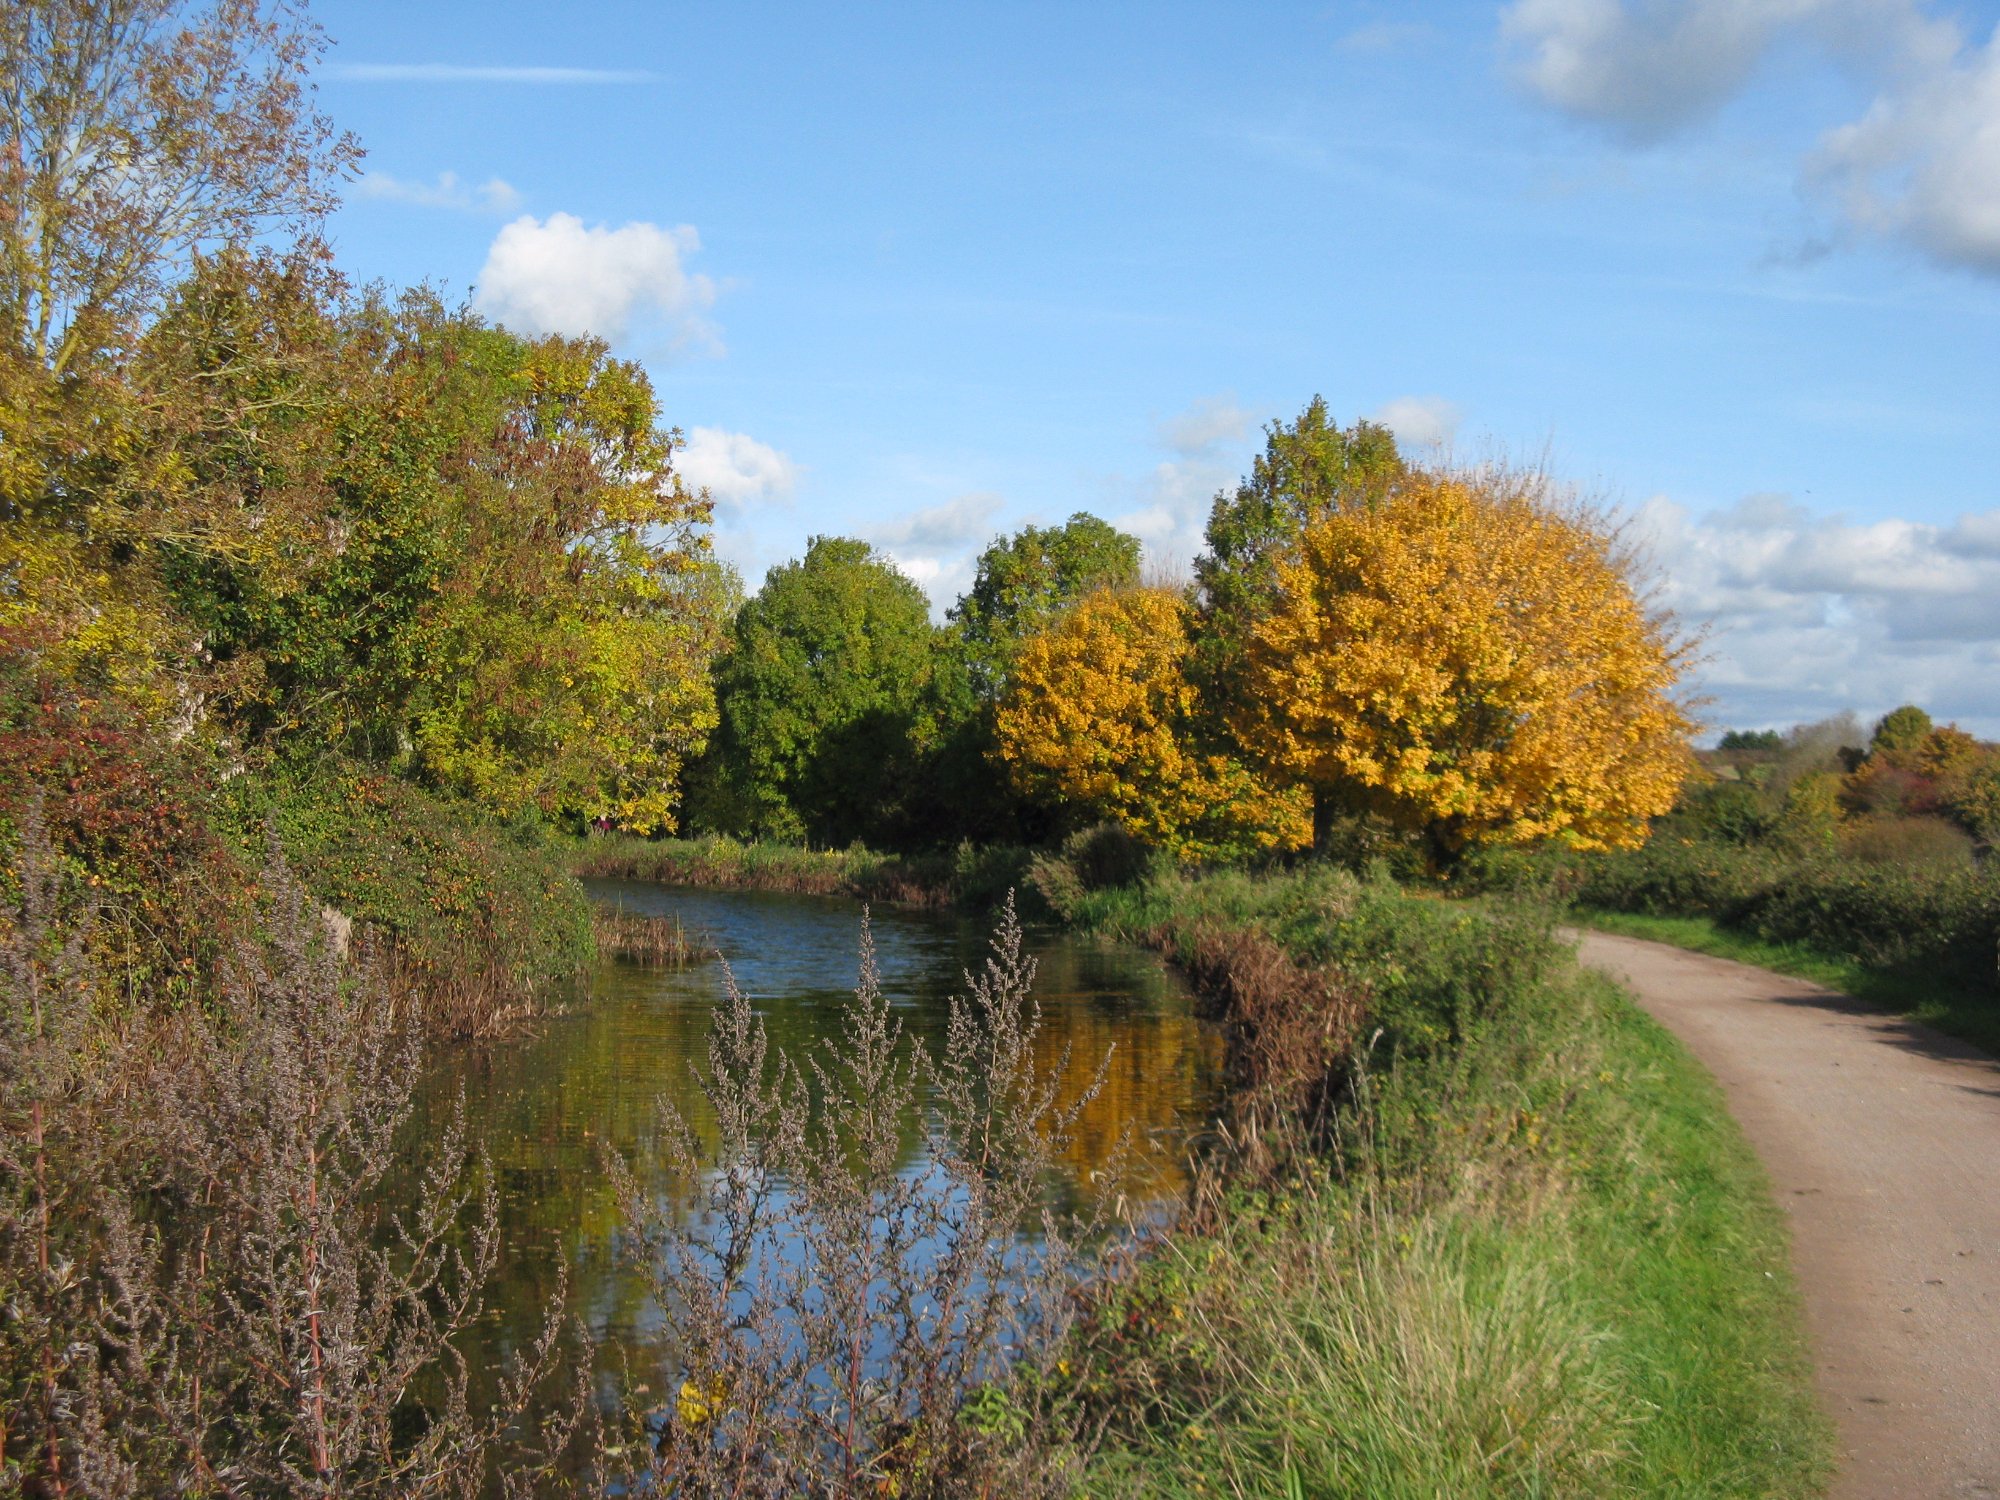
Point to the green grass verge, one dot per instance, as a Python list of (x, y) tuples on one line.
[(1541, 1261), (1921, 996)]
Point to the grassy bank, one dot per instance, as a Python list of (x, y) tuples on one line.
[(1531, 1255), (1935, 1000), (977, 877)]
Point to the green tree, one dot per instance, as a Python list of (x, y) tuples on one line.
[(1024, 579), (436, 543), (1308, 468), (1901, 730), (1754, 740), (835, 691)]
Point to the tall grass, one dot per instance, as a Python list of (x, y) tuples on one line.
[(1527, 1255), (653, 939), (204, 1292)]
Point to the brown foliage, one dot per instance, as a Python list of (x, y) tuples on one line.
[(1290, 1028), (206, 1292)]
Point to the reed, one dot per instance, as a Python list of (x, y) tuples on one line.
[(650, 939)]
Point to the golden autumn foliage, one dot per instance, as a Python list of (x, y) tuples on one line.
[(1467, 656), (1099, 711)]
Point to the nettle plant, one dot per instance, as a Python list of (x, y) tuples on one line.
[(852, 1317)]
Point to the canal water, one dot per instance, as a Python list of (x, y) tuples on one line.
[(545, 1108)]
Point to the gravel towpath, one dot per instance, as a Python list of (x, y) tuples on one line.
[(1882, 1139)]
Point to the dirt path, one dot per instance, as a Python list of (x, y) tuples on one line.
[(1882, 1139)]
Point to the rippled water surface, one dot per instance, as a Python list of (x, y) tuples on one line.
[(544, 1108)]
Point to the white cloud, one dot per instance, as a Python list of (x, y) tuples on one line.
[(960, 522), (1922, 164), (938, 546), (1641, 70), (560, 275), (493, 196), (1419, 421), (464, 73), (1209, 421), (1171, 511), (1386, 36), (1168, 509), (735, 469), (1813, 614)]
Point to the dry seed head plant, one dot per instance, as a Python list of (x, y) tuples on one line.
[(204, 1290), (845, 1318)]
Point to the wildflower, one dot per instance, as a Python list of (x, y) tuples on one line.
[(699, 1402)]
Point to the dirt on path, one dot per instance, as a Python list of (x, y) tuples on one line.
[(1882, 1138)]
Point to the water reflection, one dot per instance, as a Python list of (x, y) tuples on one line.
[(546, 1108)]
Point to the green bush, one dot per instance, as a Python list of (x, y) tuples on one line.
[(1433, 971), (1921, 842), (1942, 917), (466, 903), (1098, 858)]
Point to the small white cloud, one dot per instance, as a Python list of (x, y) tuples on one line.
[(1419, 421), (1812, 614), (465, 73), (938, 546), (1645, 70), (1210, 420), (1168, 509), (493, 196), (960, 522), (561, 276), (735, 469), (1386, 36)]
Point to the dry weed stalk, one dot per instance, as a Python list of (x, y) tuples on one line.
[(204, 1292), (844, 1318)]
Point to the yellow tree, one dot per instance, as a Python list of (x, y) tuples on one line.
[(1466, 656), (1099, 712)]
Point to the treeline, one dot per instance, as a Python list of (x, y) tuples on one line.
[(1869, 848), (1370, 653)]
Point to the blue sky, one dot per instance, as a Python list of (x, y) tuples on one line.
[(926, 273)]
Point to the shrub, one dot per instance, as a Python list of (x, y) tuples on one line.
[(1929, 843), (126, 817), (1098, 858), (1940, 916), (981, 877), (484, 921)]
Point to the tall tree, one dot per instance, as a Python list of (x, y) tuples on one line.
[(582, 608), (835, 690), (1308, 468), (1023, 579), (403, 535), (1466, 656), (134, 133)]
